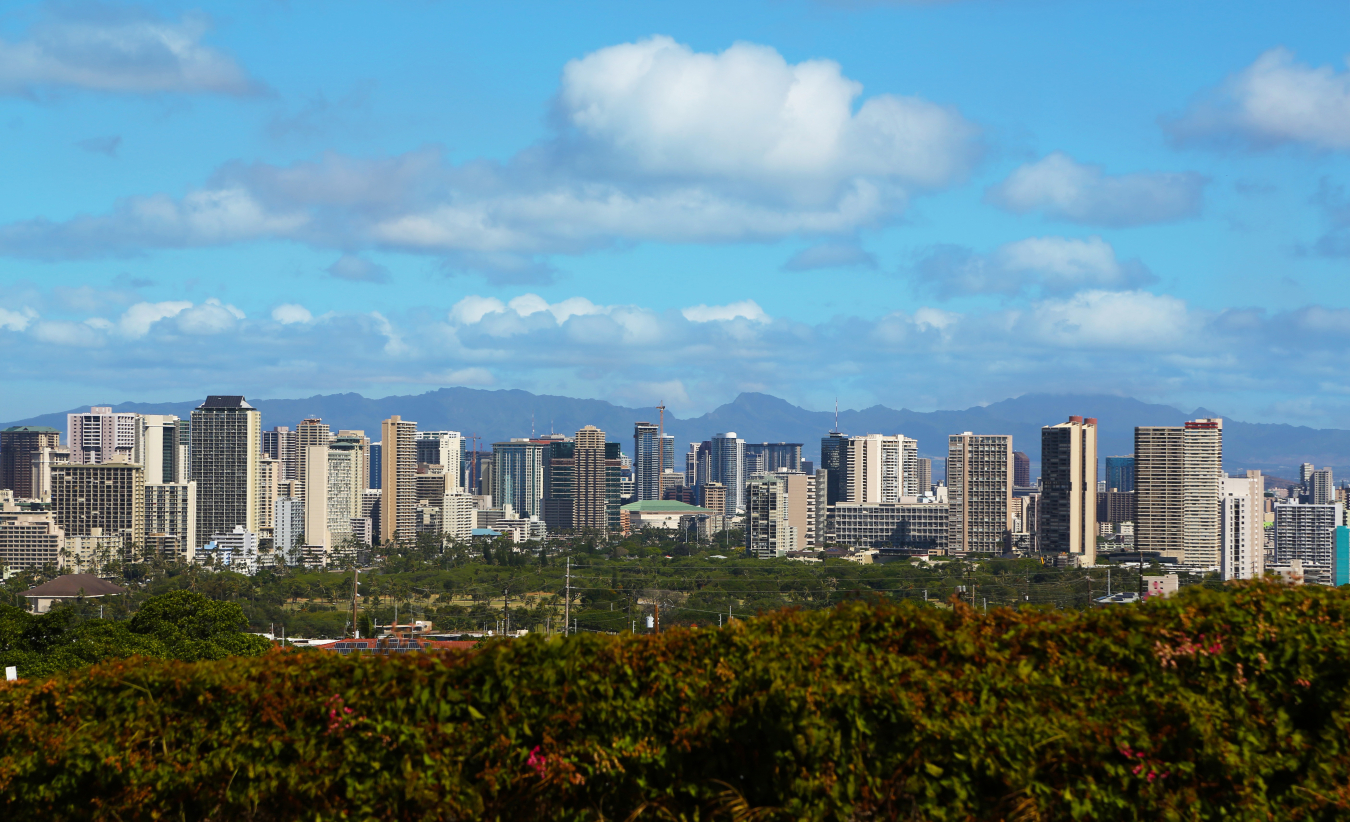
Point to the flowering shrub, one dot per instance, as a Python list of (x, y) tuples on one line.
[(1211, 705)]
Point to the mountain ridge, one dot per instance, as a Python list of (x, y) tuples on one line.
[(498, 414)]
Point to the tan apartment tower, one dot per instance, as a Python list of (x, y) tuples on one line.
[(309, 432), (880, 468), (398, 476), (589, 491), (100, 499), (226, 434), (979, 492), (1178, 483), (1068, 503)]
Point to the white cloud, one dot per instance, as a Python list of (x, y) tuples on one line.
[(137, 320), (464, 376), (119, 50), (211, 317), (66, 333), (16, 320), (1275, 100), (1047, 264), (473, 308), (289, 313), (1064, 189), (1096, 319), (749, 309), (747, 114), (652, 142)]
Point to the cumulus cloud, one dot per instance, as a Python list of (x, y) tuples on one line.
[(1050, 265), (354, 268), (830, 255), (118, 49), (1097, 319), (1064, 189), (137, 320), (1276, 100), (288, 313), (652, 142), (748, 309), (16, 320)]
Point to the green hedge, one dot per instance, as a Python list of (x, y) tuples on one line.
[(1214, 705)]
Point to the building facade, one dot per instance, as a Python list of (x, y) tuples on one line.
[(919, 526), (1241, 529), (727, 466), (1068, 515), (979, 492), (18, 446), (518, 475), (100, 499), (1120, 473), (100, 435), (226, 436), (1308, 533), (171, 519), (1177, 479), (446, 449), (398, 499), (653, 455)]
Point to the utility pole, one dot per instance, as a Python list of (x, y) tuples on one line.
[(657, 621), (567, 603), (1108, 582), (355, 571), (506, 607)]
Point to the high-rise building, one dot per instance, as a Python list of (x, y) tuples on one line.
[(833, 452), (345, 484), (1120, 473), (769, 531), (376, 466), (1308, 533), (1242, 530), (310, 432), (649, 460), (979, 492), (100, 499), (518, 475), (880, 468), (691, 465), (1321, 489), (40, 477), (18, 445), (288, 528), (1177, 480), (171, 519), (226, 436), (593, 498), (398, 477), (925, 472), (270, 472), (356, 441), (28, 539), (713, 495), (457, 515), (280, 445), (314, 459), (96, 436), (1305, 472), (773, 456), (162, 449), (727, 466), (1022, 470), (443, 448), (1068, 515)]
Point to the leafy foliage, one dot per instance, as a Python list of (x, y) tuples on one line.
[(180, 625), (1230, 704)]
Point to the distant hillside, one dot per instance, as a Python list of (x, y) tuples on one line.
[(499, 415)]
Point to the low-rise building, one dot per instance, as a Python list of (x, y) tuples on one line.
[(67, 588), (917, 525), (656, 513)]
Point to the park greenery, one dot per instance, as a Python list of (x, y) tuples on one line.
[(1226, 704), (183, 625), (615, 585)]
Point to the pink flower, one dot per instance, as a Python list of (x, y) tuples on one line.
[(537, 761)]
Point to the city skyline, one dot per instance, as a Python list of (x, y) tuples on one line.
[(465, 200)]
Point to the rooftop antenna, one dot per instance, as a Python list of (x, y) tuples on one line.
[(531, 425), (836, 416)]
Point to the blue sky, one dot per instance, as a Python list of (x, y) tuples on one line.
[(924, 205)]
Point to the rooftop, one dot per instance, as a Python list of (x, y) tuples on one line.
[(30, 429), (72, 585), (664, 506), (224, 401)]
